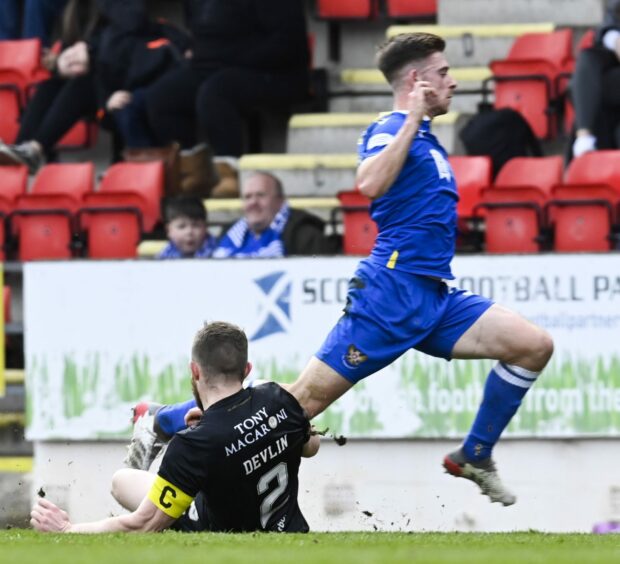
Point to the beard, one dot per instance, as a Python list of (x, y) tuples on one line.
[(196, 395)]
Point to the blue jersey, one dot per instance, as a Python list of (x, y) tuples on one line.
[(416, 217)]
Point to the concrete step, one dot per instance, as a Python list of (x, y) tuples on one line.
[(561, 12), (309, 175), (365, 90), (467, 77), (381, 102), (475, 45), (330, 133)]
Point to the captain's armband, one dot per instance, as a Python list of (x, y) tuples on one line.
[(169, 498)]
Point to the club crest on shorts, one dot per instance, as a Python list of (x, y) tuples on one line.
[(354, 357)]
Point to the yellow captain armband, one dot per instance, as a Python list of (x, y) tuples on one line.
[(170, 499)]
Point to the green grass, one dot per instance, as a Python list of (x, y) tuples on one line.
[(25, 547)]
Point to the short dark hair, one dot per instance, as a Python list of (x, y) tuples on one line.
[(221, 349), (184, 206), (406, 48)]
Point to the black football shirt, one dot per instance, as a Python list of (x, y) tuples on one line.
[(243, 458)]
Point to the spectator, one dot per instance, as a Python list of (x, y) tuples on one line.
[(39, 17), (124, 52), (247, 55), (595, 88), (270, 228), (186, 228)]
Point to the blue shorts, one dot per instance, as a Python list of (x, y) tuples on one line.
[(389, 312)]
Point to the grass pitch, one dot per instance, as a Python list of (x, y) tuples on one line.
[(26, 547)]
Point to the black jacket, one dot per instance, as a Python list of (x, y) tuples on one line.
[(304, 234), (268, 35)]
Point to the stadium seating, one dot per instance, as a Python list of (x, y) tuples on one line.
[(472, 174), (143, 179), (360, 231), (13, 182), (410, 8), (584, 209), (81, 136), (20, 64), (515, 204), (9, 117), (527, 80), (112, 223), (346, 9), (43, 220)]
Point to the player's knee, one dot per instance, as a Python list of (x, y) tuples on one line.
[(542, 350), (117, 485)]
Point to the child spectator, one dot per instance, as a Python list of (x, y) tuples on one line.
[(186, 228)]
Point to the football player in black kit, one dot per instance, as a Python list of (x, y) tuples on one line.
[(236, 470)]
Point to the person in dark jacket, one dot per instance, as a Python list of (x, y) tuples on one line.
[(595, 88), (270, 228), (247, 55)]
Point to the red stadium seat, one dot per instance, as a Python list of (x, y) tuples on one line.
[(20, 64), (43, 220), (113, 224), (515, 205), (13, 182), (527, 79), (81, 136), (411, 8), (539, 172), (360, 231), (346, 9), (9, 116), (584, 209), (471, 174), (583, 217), (144, 179)]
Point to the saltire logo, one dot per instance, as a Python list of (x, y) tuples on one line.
[(274, 306)]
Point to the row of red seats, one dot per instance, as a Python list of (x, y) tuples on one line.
[(63, 213), (20, 71), (533, 79), (531, 206), (369, 9)]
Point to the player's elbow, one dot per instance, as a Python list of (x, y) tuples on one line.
[(311, 447), (369, 188)]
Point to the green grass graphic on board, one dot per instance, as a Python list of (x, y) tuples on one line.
[(573, 396)]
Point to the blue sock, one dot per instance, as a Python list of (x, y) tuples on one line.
[(170, 419), (505, 387)]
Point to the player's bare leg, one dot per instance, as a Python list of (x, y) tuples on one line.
[(318, 387), (523, 350), (130, 487)]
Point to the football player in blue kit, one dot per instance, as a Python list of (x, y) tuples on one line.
[(397, 298)]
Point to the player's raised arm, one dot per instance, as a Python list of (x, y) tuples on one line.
[(49, 518), (377, 173)]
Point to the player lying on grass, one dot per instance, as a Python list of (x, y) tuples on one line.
[(236, 470)]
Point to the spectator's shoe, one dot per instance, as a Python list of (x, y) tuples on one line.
[(24, 154), (145, 443), (584, 144), (481, 472), (228, 174)]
